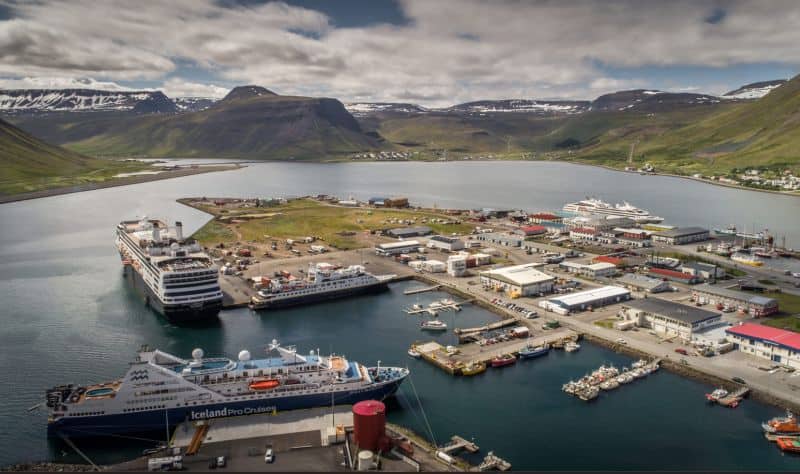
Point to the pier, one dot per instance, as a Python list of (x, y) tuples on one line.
[(415, 291), (458, 443), (732, 399), (493, 462), (455, 306), (495, 325), (454, 360)]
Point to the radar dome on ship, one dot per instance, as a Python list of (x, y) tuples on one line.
[(244, 355), (197, 353)]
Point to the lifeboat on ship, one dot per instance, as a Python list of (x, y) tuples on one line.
[(264, 384)]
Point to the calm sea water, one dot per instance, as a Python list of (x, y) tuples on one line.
[(67, 317)]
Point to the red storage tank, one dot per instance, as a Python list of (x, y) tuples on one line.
[(369, 424)]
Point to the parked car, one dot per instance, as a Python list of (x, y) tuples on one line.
[(221, 461), (681, 350), (621, 341), (268, 456), (738, 380)]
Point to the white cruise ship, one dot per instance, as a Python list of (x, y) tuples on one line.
[(160, 390), (323, 281), (596, 206), (173, 275)]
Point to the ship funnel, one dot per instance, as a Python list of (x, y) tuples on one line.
[(197, 354), (179, 230)]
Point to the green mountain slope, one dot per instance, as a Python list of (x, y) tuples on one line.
[(251, 122), (29, 164), (765, 132)]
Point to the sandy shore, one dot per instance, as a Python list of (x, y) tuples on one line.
[(117, 182)]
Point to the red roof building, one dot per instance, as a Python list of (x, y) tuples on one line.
[(674, 275), (777, 345), (545, 216), (533, 230)]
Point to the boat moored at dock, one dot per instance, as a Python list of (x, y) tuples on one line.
[(161, 390), (174, 275)]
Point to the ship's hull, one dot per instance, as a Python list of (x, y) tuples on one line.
[(533, 354), (176, 313), (276, 303), (155, 420)]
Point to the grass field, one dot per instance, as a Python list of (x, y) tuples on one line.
[(337, 226), (789, 316)]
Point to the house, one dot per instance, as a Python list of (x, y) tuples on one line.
[(776, 345), (583, 234), (755, 305)]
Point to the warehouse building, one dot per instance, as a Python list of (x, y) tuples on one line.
[(396, 248), (448, 244), (405, 232), (681, 235), (457, 265), (777, 345), (519, 280), (497, 238), (594, 270), (755, 305), (583, 234), (542, 217), (636, 238), (669, 318), (584, 300), (674, 275), (531, 230), (646, 284), (706, 271)]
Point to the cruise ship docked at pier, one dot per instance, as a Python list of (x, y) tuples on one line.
[(161, 390), (322, 282), (596, 206), (173, 274)]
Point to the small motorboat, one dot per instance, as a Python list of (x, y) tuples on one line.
[(504, 360), (571, 346), (414, 353), (473, 368), (416, 307), (433, 325), (264, 384), (716, 395), (433, 312), (782, 425)]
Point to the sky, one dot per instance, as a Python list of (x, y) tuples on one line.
[(429, 52)]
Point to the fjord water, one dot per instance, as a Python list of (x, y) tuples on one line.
[(68, 317)]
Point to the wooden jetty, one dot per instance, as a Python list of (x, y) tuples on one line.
[(456, 306), (733, 399), (458, 443), (494, 462), (414, 291), (495, 325)]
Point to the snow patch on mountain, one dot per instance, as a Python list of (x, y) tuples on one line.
[(44, 100), (755, 90)]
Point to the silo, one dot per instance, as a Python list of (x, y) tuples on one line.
[(369, 424)]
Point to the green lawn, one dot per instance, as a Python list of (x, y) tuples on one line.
[(789, 316)]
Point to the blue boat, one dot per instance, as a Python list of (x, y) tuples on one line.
[(530, 352)]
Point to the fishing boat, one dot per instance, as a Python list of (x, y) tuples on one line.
[(530, 352), (433, 312), (717, 395), (747, 259), (416, 307), (784, 425), (730, 230), (788, 444), (571, 346), (433, 325), (414, 353), (589, 393), (473, 368), (504, 360)]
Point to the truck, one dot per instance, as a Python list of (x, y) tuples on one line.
[(170, 463)]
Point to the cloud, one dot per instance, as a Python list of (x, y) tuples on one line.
[(448, 51), (59, 83)]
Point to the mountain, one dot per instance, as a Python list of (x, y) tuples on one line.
[(194, 104), (248, 92), (650, 100), (250, 122), (364, 109), (755, 90), (28, 161), (539, 107), (83, 100), (762, 132)]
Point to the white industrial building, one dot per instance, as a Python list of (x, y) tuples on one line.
[(456, 265), (434, 266), (396, 248), (448, 244), (594, 270), (583, 300), (669, 318), (643, 283), (521, 280)]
